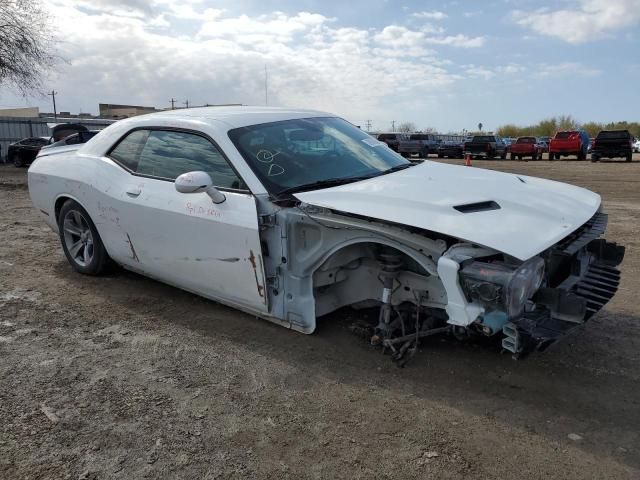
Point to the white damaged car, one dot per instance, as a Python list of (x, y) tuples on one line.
[(293, 214)]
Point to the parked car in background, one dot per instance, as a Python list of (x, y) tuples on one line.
[(451, 150), (591, 142), (636, 146), (488, 146), (421, 144), (612, 144), (569, 142), (391, 139), (23, 152), (73, 139), (543, 143), (526, 147), (508, 141), (240, 205)]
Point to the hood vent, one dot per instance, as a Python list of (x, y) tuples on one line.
[(477, 207)]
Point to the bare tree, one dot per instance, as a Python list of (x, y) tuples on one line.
[(26, 45), (406, 127)]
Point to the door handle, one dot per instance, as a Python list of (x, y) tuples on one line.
[(133, 191)]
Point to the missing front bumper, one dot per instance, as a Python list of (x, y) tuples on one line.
[(559, 311)]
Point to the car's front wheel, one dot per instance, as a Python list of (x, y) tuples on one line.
[(17, 160), (81, 242)]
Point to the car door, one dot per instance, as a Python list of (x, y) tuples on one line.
[(185, 239)]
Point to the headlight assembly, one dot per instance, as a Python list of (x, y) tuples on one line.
[(499, 286)]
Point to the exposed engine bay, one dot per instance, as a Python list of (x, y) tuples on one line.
[(424, 284)]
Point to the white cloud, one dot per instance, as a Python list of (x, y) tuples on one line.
[(432, 15), (140, 59), (585, 21), (459, 40), (546, 70)]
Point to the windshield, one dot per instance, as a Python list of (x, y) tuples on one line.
[(296, 153), (483, 138), (526, 140), (614, 134), (566, 134)]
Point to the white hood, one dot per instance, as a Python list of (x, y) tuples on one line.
[(534, 213)]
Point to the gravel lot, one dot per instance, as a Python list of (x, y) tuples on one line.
[(123, 377)]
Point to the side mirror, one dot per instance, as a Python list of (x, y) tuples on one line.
[(198, 182)]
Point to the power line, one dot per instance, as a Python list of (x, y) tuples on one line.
[(368, 123), (172, 103)]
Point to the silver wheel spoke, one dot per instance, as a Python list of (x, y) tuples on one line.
[(77, 218), (71, 228), (75, 248), (87, 255)]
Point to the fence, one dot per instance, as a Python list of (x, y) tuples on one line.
[(13, 129)]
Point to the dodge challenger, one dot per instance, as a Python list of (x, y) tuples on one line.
[(292, 214)]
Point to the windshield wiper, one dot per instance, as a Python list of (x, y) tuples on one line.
[(334, 182), (397, 168), (329, 182)]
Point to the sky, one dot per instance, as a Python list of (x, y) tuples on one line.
[(447, 65)]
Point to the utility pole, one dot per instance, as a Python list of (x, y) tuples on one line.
[(186, 103), (55, 112), (172, 103), (266, 86), (368, 122), (393, 125)]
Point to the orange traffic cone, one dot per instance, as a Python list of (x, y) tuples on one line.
[(467, 160)]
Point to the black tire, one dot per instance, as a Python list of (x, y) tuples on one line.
[(73, 224), (512, 157), (16, 158), (629, 157), (440, 155), (595, 158)]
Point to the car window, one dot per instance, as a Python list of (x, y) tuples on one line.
[(72, 139), (614, 134), (168, 154), (128, 150)]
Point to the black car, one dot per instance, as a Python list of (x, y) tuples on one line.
[(451, 150), (612, 144), (23, 152), (73, 139)]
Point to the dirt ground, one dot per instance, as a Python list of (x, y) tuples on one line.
[(123, 377)]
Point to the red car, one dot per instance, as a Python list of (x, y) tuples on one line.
[(526, 147), (570, 142)]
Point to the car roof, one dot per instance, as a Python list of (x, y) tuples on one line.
[(236, 116)]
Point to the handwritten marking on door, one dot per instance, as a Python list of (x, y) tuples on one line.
[(200, 211)]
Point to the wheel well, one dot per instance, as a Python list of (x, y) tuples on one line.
[(58, 206), (352, 276)]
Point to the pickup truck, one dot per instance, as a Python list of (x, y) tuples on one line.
[(391, 139), (526, 147), (612, 144), (569, 142), (421, 144), (488, 146)]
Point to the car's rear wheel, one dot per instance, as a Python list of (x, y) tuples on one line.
[(81, 242), (629, 157)]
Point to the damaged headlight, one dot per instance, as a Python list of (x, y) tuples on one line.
[(499, 286)]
